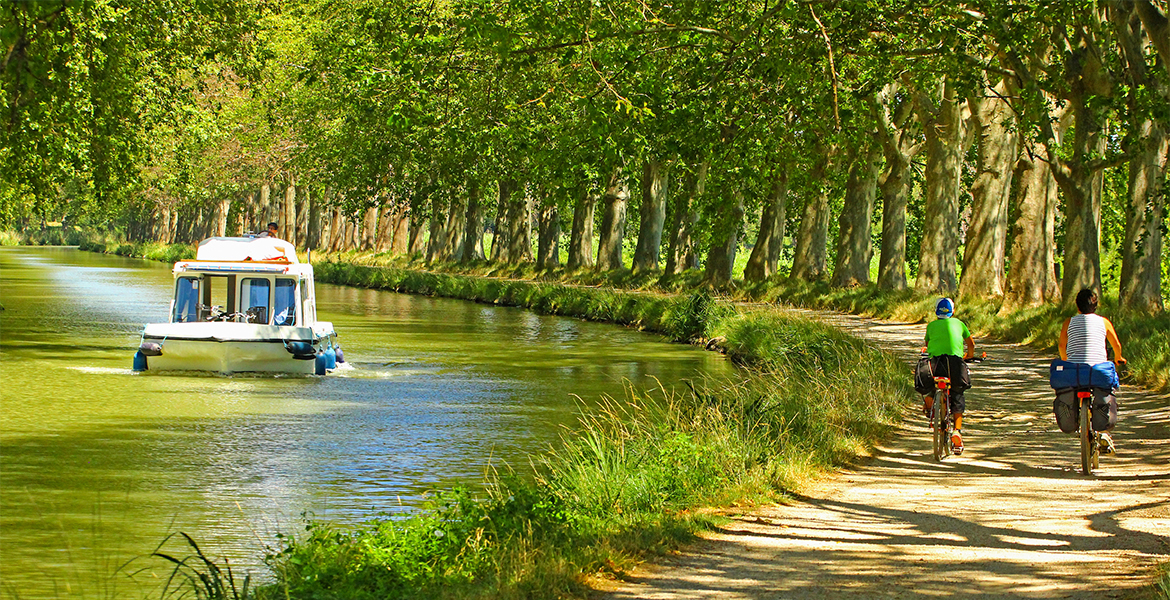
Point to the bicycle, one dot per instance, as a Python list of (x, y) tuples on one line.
[(1090, 438), (942, 423)]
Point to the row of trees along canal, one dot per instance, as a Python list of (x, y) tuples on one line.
[(1008, 141)]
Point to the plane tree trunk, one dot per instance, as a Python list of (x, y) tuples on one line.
[(613, 222), (581, 235), (765, 256), (996, 149), (652, 216), (724, 243), (942, 123), (854, 240), (811, 251), (680, 252)]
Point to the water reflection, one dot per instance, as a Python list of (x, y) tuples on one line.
[(97, 463)]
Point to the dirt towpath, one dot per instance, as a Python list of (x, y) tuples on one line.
[(1010, 518)]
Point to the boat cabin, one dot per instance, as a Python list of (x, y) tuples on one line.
[(256, 280)]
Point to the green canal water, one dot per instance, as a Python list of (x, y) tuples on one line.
[(98, 465)]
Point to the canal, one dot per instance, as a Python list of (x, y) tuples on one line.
[(98, 464)]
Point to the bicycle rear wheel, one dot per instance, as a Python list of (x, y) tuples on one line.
[(937, 417), (1086, 435)]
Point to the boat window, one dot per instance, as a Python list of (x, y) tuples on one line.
[(254, 299), (186, 300), (284, 308)]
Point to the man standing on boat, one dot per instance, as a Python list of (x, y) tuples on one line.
[(272, 231)]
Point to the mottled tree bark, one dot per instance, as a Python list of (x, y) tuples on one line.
[(437, 237), (613, 222), (811, 252), (652, 216), (288, 217), (473, 229), (1032, 278), (899, 137), (452, 249), (942, 123), (370, 228), (996, 145), (765, 256), (519, 223), (581, 235), (854, 240), (500, 225), (385, 238), (223, 207), (1141, 272), (400, 220), (724, 243), (316, 228), (680, 250), (1141, 253), (418, 227), (304, 200), (264, 213), (548, 239)]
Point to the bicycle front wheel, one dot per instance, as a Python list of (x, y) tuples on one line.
[(1086, 438)]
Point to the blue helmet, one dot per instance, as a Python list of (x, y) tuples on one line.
[(945, 308)]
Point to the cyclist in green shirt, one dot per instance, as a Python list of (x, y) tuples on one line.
[(948, 342)]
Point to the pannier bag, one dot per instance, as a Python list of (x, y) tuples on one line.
[(1067, 410), (923, 377), (1064, 374)]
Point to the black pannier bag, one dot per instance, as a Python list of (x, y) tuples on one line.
[(1104, 410), (923, 377), (1067, 409)]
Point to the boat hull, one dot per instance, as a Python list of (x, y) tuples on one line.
[(228, 357), (234, 347)]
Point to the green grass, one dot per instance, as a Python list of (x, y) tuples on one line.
[(1160, 590)]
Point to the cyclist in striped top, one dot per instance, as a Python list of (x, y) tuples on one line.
[(1083, 338)]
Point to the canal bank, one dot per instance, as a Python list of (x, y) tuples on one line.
[(635, 479), (631, 480)]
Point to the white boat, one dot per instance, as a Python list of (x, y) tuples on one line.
[(245, 304)]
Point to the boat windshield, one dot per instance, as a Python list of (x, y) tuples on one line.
[(285, 305), (186, 300), (254, 299)]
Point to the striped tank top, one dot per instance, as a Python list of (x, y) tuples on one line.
[(1086, 339)]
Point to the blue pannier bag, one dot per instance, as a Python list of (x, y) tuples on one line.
[(1064, 374)]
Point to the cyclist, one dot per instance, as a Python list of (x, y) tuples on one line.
[(948, 342), (1082, 340)]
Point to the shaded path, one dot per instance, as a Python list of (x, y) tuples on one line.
[(1010, 518)]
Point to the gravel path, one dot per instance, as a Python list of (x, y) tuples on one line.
[(1010, 518)]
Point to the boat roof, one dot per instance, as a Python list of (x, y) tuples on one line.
[(244, 255), (246, 249)]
